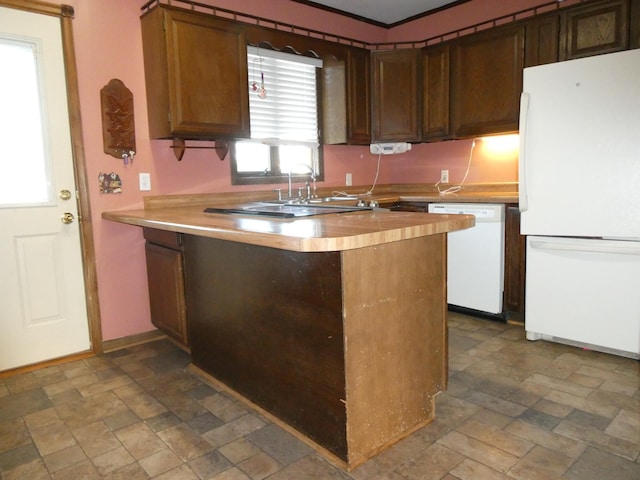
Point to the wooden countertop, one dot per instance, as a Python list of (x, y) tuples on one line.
[(332, 232)]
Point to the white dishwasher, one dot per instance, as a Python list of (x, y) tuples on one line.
[(475, 258)]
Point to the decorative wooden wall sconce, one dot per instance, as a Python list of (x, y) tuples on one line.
[(118, 127), (179, 146)]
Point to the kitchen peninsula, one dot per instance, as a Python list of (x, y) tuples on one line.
[(333, 325)]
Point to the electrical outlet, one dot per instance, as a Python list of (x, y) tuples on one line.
[(145, 182), (348, 180), (444, 176)]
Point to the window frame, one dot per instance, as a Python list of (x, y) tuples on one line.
[(275, 175)]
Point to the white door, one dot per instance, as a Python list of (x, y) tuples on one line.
[(43, 311)]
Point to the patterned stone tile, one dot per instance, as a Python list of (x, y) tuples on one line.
[(15, 457), (626, 425), (64, 458), (260, 466), (186, 443), (479, 451), (279, 444), (432, 464), (84, 470), (310, 467), (494, 403), (23, 403), (160, 462), (13, 434), (471, 470), (233, 430), (541, 464), (112, 461), (514, 410), (597, 465), (210, 465), (139, 440), (52, 437), (223, 407), (615, 445), (496, 437), (96, 439), (33, 470), (239, 450), (551, 440)]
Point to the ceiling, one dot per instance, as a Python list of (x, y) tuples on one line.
[(383, 12)]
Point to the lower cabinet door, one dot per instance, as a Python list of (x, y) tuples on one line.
[(165, 274)]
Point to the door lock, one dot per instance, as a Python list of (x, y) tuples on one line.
[(64, 194), (67, 218)]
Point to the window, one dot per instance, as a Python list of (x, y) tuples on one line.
[(26, 160), (283, 106)]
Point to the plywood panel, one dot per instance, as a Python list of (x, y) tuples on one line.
[(395, 340)]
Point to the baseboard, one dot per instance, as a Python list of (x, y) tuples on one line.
[(131, 340)]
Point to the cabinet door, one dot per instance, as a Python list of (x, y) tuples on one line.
[(334, 101), (486, 82), (358, 97), (196, 75), (396, 103), (634, 21), (542, 40), (165, 273), (592, 29), (514, 266), (435, 115)]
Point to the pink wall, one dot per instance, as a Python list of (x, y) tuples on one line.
[(108, 45)]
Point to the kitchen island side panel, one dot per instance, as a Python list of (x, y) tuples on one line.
[(395, 340), (268, 324)]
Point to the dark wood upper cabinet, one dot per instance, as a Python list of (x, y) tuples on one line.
[(486, 81), (435, 114), (595, 28), (196, 75), (634, 21), (396, 100), (358, 96), (346, 98), (542, 40)]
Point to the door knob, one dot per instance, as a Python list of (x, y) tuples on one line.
[(64, 194), (67, 218)]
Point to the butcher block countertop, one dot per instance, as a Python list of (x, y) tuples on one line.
[(332, 232)]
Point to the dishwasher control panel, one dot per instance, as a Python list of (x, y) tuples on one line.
[(482, 211)]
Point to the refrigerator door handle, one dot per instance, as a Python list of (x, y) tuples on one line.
[(615, 249), (522, 180)]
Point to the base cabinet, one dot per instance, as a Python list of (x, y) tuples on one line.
[(352, 365), (165, 273), (514, 266)]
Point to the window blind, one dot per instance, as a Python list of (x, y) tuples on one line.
[(288, 112)]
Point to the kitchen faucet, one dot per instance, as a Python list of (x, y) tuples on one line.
[(312, 177)]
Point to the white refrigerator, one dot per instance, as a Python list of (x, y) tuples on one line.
[(579, 184)]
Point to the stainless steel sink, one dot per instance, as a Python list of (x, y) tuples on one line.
[(285, 210)]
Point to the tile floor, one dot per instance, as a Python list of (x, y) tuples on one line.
[(514, 410)]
